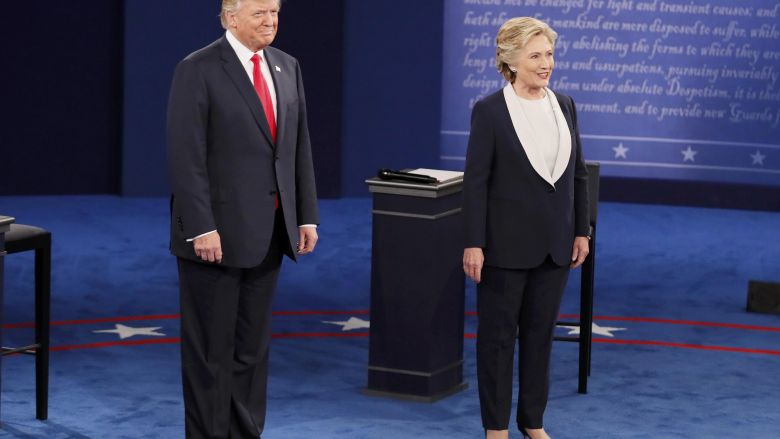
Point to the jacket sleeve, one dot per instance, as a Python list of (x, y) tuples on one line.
[(581, 201), (187, 123), (479, 163), (306, 189)]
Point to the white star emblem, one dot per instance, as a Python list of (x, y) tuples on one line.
[(620, 151), (277, 68), (352, 323), (758, 158), (127, 332), (599, 330), (689, 154)]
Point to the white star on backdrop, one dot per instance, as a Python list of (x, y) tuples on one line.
[(758, 158), (127, 331), (599, 330), (689, 154), (352, 323), (620, 151)]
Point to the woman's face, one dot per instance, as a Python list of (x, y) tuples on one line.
[(534, 63)]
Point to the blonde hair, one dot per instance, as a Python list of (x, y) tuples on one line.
[(231, 7), (513, 35)]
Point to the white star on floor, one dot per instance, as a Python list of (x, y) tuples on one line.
[(689, 154), (127, 331), (758, 158), (352, 323), (598, 330), (620, 151)]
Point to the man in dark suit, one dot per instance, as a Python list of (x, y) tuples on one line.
[(243, 196)]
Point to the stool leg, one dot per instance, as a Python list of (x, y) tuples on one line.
[(586, 316), (42, 316), (2, 268)]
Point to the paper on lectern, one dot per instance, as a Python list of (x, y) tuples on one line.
[(438, 174)]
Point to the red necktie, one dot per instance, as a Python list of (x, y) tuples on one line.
[(265, 98)]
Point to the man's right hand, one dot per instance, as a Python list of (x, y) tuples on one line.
[(208, 247), (473, 258)]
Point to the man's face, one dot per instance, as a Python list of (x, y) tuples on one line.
[(255, 23)]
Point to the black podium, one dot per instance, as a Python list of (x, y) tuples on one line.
[(5, 225), (417, 290)]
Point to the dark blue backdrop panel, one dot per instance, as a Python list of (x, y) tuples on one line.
[(60, 89), (158, 36), (313, 32), (670, 90), (392, 88)]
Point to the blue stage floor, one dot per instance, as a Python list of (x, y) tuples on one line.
[(677, 357)]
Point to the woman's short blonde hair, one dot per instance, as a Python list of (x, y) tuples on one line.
[(513, 35), (230, 7)]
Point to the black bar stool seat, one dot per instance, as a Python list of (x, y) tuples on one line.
[(21, 238)]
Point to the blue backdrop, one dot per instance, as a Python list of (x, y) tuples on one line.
[(390, 84), (61, 88), (667, 89), (156, 38)]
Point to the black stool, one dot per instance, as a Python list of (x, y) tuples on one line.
[(22, 238), (585, 339)]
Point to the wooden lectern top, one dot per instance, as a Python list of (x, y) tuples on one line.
[(5, 223), (424, 190)]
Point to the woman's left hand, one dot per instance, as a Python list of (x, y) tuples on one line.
[(580, 251)]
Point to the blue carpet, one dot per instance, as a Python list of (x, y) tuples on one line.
[(661, 272)]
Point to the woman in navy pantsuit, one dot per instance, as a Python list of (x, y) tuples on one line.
[(526, 212)]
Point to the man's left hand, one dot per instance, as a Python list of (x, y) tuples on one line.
[(580, 251), (307, 239)]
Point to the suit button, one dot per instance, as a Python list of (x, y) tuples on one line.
[(276, 157), (272, 193)]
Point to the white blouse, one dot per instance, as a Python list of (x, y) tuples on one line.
[(542, 120)]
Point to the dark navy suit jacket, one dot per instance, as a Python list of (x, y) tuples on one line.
[(225, 169), (516, 216)]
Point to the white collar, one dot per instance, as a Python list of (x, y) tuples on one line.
[(525, 133)]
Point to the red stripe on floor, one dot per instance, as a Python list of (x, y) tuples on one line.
[(169, 317), (688, 322), (687, 346), (173, 340), (667, 321), (107, 344)]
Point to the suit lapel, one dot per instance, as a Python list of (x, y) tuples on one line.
[(280, 85), (237, 74), (564, 139), (525, 134)]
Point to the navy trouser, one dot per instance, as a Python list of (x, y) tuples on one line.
[(515, 305)]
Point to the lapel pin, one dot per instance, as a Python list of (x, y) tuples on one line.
[(278, 69)]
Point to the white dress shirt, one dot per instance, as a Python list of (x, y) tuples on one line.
[(542, 118), (245, 56)]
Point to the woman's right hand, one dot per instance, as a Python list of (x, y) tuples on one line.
[(473, 258)]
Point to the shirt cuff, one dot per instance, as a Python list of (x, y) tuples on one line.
[(202, 234), (308, 225)]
